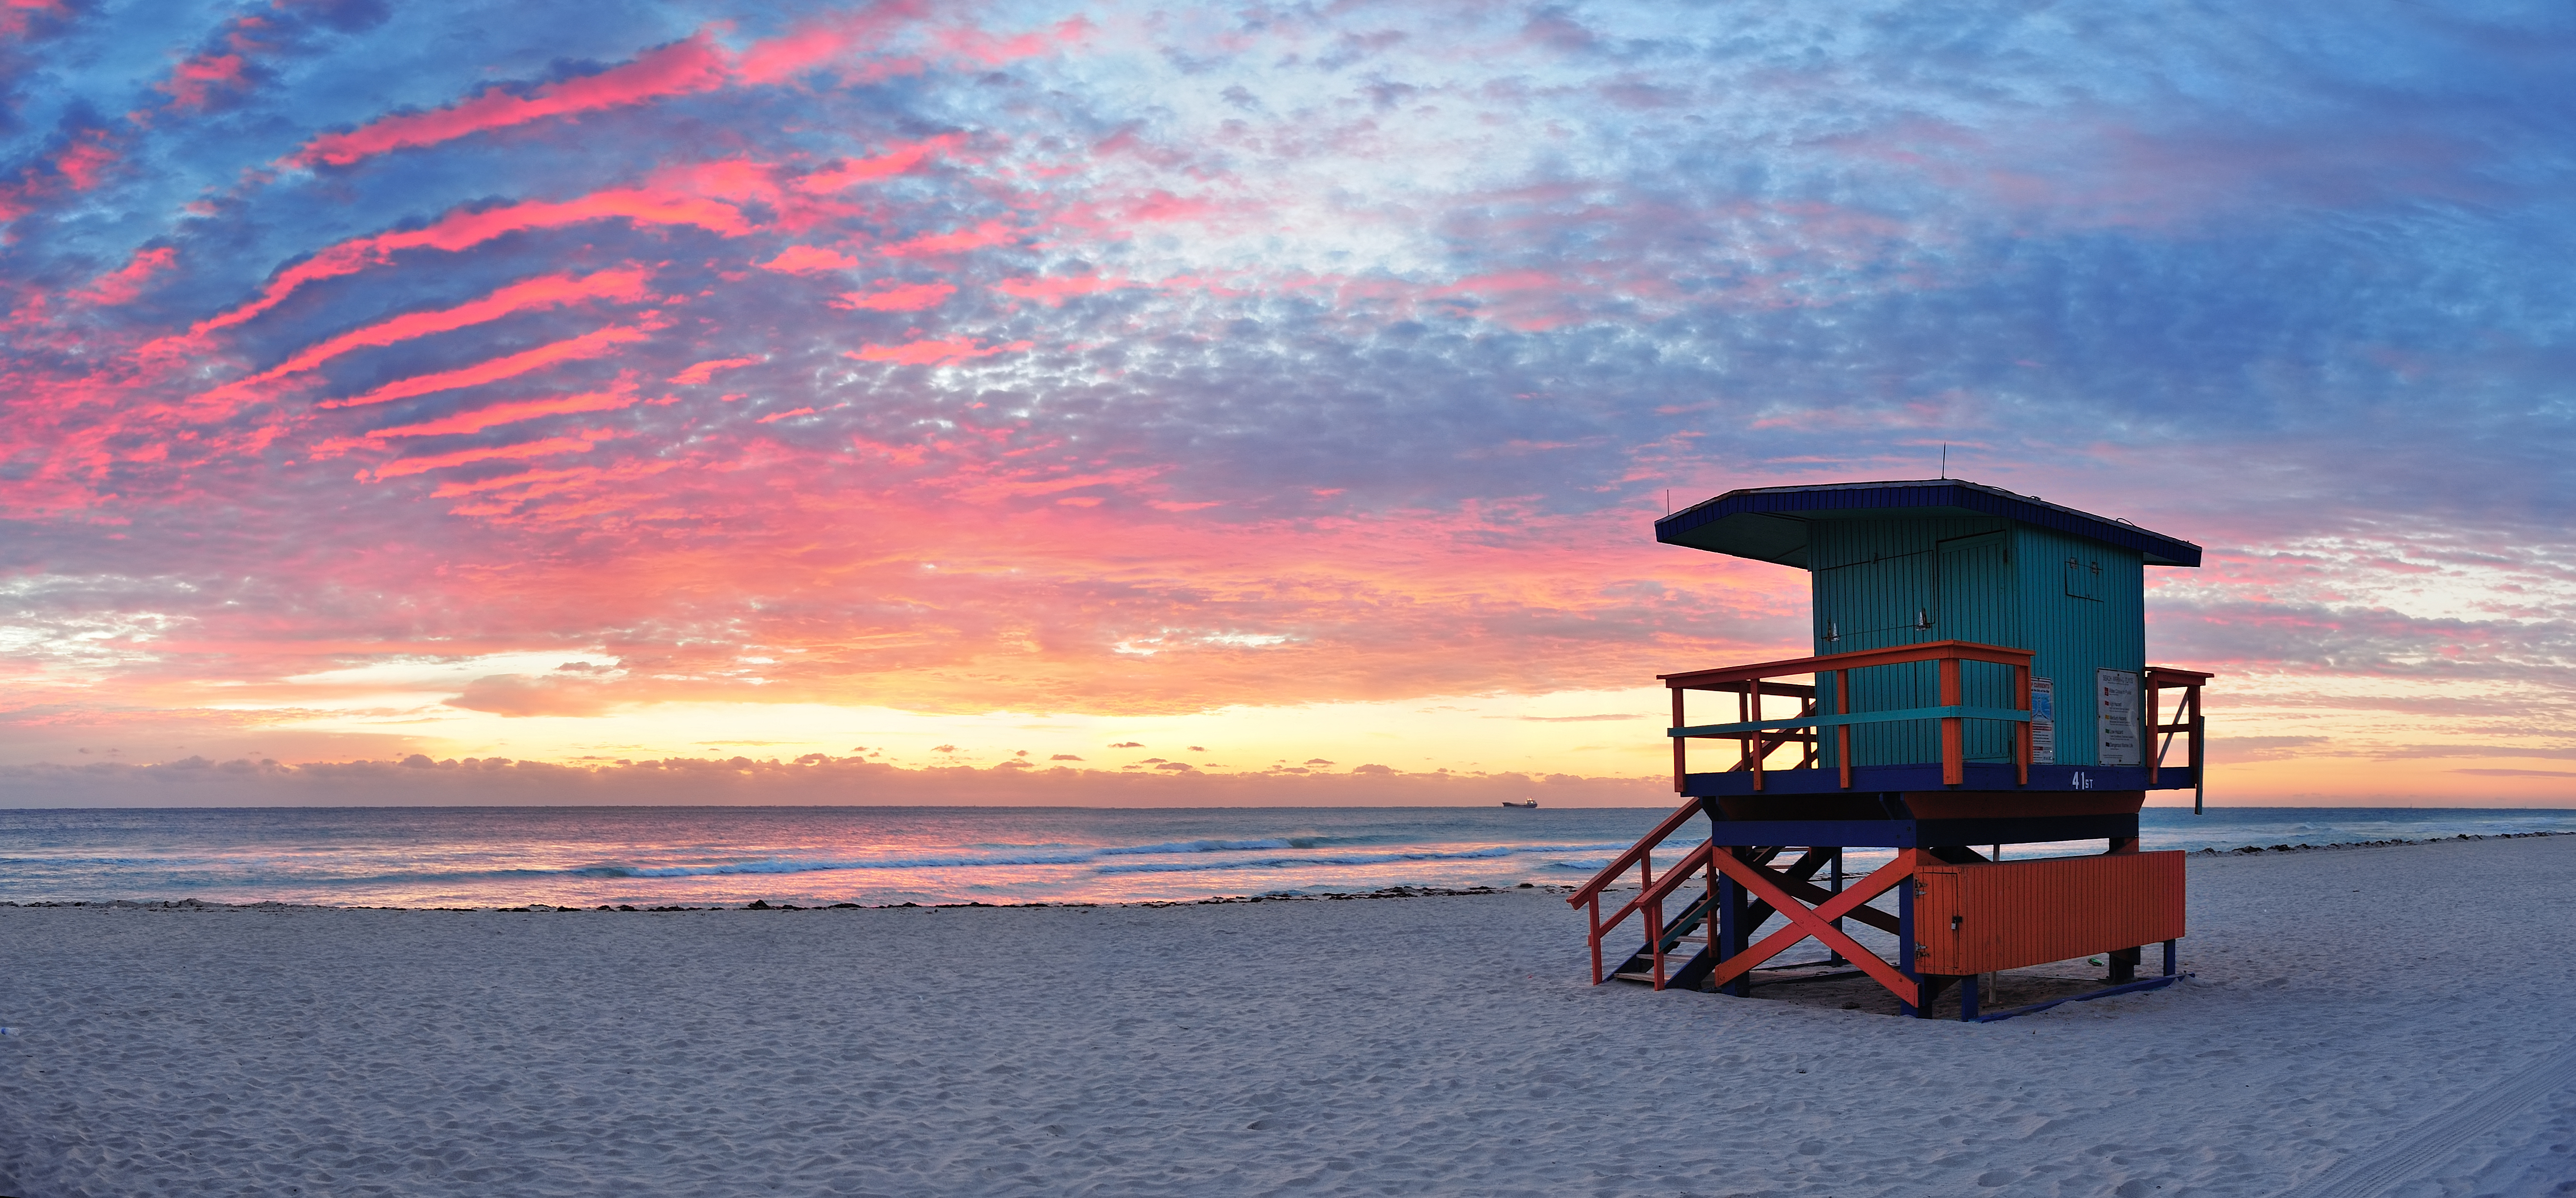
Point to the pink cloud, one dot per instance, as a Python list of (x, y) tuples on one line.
[(913, 297), (1162, 206), (834, 40), (494, 416), (940, 352), (989, 233), (1118, 217), (547, 448), (733, 179), (120, 286), (1501, 281), (595, 344), (195, 83), (546, 291), (1002, 486), (817, 43), (895, 161), (519, 695), (1528, 300), (806, 259), (85, 161), (693, 65), (984, 49), (18, 16), (1057, 290), (534, 484), (464, 229), (702, 372)]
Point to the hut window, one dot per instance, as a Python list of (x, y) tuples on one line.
[(2083, 578)]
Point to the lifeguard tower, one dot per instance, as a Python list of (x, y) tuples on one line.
[(1980, 680)]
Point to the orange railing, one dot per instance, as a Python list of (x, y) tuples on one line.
[(1748, 705), (1650, 893), (1757, 736), (2187, 721)]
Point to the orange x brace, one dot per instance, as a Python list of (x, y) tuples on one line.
[(1818, 921)]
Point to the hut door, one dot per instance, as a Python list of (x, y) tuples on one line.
[(1978, 602), (1879, 602)]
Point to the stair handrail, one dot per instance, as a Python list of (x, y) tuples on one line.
[(1650, 903), (1650, 899), (1674, 875), (1650, 896), (1619, 865)]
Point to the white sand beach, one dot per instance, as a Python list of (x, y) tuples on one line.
[(2392, 1020)]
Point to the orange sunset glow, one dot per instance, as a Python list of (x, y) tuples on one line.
[(1005, 404)]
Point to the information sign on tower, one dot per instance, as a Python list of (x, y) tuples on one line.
[(2115, 721)]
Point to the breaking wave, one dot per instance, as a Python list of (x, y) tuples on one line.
[(647, 856), (1087, 856)]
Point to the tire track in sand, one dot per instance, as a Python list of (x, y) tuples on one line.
[(2429, 1142)]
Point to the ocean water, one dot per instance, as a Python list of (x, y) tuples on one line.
[(586, 856)]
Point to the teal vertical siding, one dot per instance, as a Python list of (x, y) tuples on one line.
[(1981, 600), (1882, 582), (2075, 636), (1877, 584)]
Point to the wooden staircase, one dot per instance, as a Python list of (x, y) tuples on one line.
[(1682, 948)]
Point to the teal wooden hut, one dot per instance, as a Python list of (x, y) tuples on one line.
[(1979, 680), (1894, 564)]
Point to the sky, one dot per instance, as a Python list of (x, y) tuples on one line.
[(1113, 403)]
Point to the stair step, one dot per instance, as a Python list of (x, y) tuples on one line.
[(1673, 962)]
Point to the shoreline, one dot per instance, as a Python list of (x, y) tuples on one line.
[(1388, 892), (2371, 844)]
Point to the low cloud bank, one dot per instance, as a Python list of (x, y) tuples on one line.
[(814, 780)]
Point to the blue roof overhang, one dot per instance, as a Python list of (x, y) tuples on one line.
[(1769, 524)]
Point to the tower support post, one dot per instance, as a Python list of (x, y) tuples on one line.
[(1910, 1004)]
